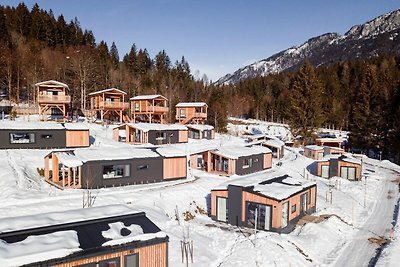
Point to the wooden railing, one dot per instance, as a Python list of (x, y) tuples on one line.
[(111, 105), (54, 98), (152, 109)]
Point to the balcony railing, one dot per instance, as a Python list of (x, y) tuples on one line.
[(111, 105), (54, 99), (152, 109)]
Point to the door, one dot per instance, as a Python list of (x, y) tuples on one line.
[(320, 155), (303, 203), (351, 173), (221, 209), (285, 214), (343, 172), (324, 171), (268, 216)]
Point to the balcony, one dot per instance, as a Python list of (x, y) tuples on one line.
[(54, 99), (110, 105), (152, 109)]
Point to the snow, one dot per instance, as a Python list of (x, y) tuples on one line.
[(76, 126), (170, 151), (190, 104), (331, 242), (29, 125), (39, 248), (108, 90), (351, 160), (200, 127), (237, 151), (68, 159), (314, 147), (274, 143), (51, 82), (92, 154), (145, 127), (146, 97)]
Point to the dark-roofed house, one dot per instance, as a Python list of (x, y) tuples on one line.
[(339, 165), (272, 203), (113, 235), (239, 160), (191, 112), (200, 131), (149, 108), (42, 135), (332, 142), (108, 103), (153, 133), (108, 167)]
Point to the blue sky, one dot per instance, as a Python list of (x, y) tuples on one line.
[(215, 36)]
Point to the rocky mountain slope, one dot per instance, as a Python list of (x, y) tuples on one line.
[(378, 36)]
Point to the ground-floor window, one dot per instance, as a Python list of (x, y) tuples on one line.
[(325, 171), (222, 210), (194, 134), (259, 214), (247, 163), (116, 171), (131, 260), (348, 173), (114, 262), (285, 214), (22, 138)]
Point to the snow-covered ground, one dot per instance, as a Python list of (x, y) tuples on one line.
[(332, 242)]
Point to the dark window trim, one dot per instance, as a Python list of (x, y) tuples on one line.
[(295, 208), (34, 137), (118, 177), (137, 259)]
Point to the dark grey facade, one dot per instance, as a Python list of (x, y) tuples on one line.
[(234, 204), (43, 139), (142, 171), (172, 137), (197, 134), (256, 166)]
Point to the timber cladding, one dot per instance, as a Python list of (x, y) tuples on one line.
[(77, 138), (149, 256), (174, 168)]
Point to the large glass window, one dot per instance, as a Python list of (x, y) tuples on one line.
[(136, 106), (116, 171), (348, 173), (161, 135), (182, 113), (247, 163), (222, 211), (132, 260), (22, 138), (115, 262), (259, 213), (325, 171)]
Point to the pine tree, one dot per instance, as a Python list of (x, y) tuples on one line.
[(360, 136), (305, 102), (114, 56)]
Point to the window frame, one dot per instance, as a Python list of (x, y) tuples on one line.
[(28, 133), (126, 171)]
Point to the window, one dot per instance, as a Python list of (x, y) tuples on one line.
[(222, 210), (161, 135), (114, 262), (142, 167), (247, 163), (22, 138), (182, 113), (255, 160), (325, 171), (46, 136), (116, 171), (206, 134), (262, 213), (294, 208), (131, 260), (136, 106), (309, 197), (348, 172)]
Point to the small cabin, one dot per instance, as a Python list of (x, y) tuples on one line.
[(254, 138), (276, 146), (339, 166), (111, 235), (239, 160), (191, 112), (108, 103), (149, 108), (314, 152), (42, 135), (109, 167), (270, 203), (331, 142), (52, 98), (153, 133), (200, 131)]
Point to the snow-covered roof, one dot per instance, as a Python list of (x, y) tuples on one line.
[(274, 143), (29, 125), (190, 104), (68, 159), (108, 90), (328, 157), (52, 82), (330, 140), (254, 136), (274, 185), (145, 127), (240, 151), (147, 97), (314, 147), (56, 235), (200, 127), (170, 152), (104, 153), (76, 126), (350, 160)]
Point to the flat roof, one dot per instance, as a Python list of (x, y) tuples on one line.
[(240, 151), (314, 147), (147, 97), (329, 139), (104, 153), (145, 127), (200, 127), (108, 90), (38, 125), (171, 151), (274, 143), (191, 104), (71, 233)]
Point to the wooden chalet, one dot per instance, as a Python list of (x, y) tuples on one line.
[(339, 166), (272, 203), (108, 103), (100, 167), (276, 146), (191, 112), (42, 135), (113, 235), (314, 152), (153, 133), (238, 160), (149, 108), (332, 142), (53, 98), (200, 131)]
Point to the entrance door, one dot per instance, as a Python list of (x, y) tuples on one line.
[(343, 172), (221, 209), (351, 174), (324, 171), (303, 203), (268, 216), (285, 214)]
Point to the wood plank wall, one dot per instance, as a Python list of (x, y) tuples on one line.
[(267, 161), (77, 138), (214, 195), (183, 136), (174, 168)]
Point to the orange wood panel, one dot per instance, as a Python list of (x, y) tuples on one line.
[(276, 207), (55, 168), (116, 134), (350, 164), (193, 161), (214, 195), (231, 166), (183, 136), (77, 138), (174, 168), (319, 166), (267, 161)]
